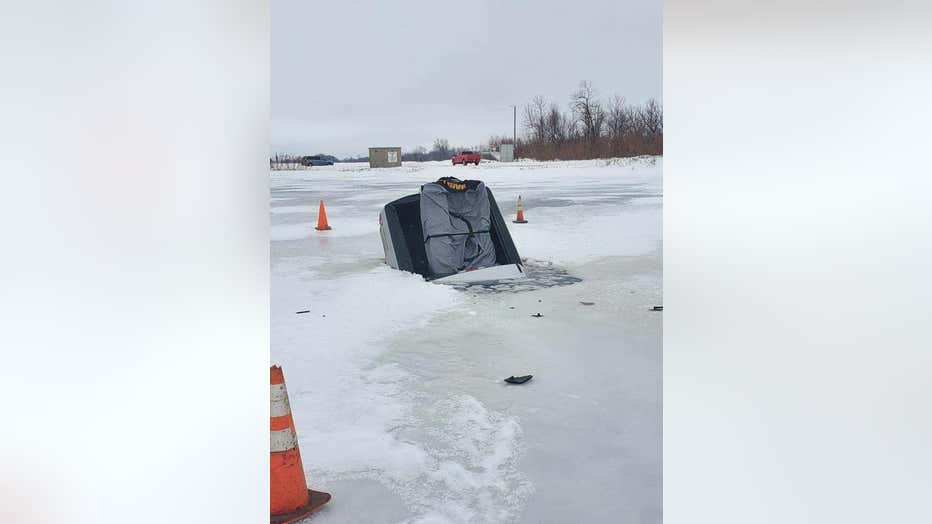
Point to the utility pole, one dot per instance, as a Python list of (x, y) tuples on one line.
[(514, 130)]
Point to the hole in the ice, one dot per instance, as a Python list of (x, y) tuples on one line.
[(540, 274)]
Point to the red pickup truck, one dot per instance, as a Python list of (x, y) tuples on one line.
[(466, 157)]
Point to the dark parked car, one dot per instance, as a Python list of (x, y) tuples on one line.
[(317, 160)]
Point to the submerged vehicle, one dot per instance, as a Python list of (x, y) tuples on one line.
[(450, 232)]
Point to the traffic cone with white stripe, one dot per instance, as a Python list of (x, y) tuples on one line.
[(520, 218), (291, 500)]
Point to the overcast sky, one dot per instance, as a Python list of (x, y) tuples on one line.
[(347, 75)]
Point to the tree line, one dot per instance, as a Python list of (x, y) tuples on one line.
[(441, 150), (591, 128), (285, 161)]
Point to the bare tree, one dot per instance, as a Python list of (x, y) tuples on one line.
[(416, 154), (618, 119), (441, 150), (535, 119), (651, 119), (495, 141), (598, 122), (588, 111), (556, 129)]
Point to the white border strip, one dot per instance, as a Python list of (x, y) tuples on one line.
[(283, 440), (279, 400)]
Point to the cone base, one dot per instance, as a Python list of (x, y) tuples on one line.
[(520, 221), (328, 228), (316, 499)]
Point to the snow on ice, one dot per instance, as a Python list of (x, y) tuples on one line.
[(396, 383)]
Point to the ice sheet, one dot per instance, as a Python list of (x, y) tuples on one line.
[(396, 382)]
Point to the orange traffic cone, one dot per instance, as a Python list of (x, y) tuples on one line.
[(291, 500), (322, 224), (520, 218)]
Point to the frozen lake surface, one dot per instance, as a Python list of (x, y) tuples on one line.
[(396, 384)]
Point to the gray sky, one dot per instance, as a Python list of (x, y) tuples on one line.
[(347, 75)]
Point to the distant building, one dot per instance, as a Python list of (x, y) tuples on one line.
[(384, 157), (506, 152)]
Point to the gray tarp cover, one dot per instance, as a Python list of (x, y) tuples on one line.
[(456, 228)]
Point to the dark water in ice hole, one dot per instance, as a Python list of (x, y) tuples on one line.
[(540, 274)]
